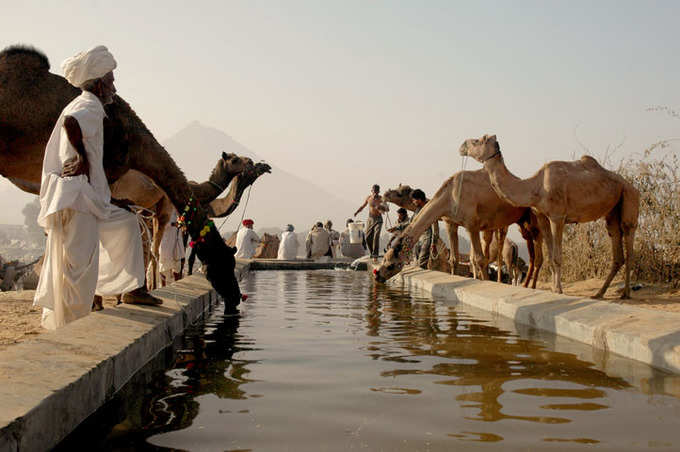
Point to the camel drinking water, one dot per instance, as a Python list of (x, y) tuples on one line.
[(479, 209), (482, 191), (567, 192)]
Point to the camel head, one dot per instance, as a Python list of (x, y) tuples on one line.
[(400, 196), (481, 149), (228, 166), (394, 259)]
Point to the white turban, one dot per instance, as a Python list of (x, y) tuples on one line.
[(84, 66)]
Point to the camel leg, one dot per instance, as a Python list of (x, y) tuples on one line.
[(454, 256), (629, 238), (615, 234), (500, 237), (532, 260), (487, 238), (556, 229), (544, 226), (538, 259), (480, 261)]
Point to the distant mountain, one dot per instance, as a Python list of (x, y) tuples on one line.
[(276, 199)]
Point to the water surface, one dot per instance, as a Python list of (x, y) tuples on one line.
[(327, 360)]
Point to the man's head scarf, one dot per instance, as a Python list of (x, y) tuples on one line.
[(90, 65), (290, 228), (247, 222)]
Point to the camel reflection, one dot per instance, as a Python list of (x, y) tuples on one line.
[(475, 355)]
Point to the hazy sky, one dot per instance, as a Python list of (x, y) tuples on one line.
[(350, 93)]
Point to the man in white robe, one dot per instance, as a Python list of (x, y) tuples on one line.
[(246, 240), (92, 246), (289, 244)]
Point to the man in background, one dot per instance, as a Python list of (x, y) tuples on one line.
[(376, 207), (246, 240)]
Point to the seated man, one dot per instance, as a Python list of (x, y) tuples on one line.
[(402, 222), (334, 238), (246, 240), (318, 242), (289, 244), (427, 240), (352, 241)]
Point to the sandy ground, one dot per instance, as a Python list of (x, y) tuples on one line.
[(20, 320), (649, 296)]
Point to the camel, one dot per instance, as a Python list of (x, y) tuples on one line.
[(143, 192), (528, 227), (223, 207), (442, 260), (567, 192), (268, 247), (31, 100), (465, 199), (510, 255)]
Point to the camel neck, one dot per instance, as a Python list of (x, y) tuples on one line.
[(510, 188)]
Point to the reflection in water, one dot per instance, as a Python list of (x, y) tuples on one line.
[(329, 360)]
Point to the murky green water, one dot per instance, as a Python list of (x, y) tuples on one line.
[(326, 360)]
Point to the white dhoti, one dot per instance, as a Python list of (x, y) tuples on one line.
[(121, 257), (69, 276), (171, 250)]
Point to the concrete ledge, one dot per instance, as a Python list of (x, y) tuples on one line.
[(652, 337), (300, 264), (66, 375)]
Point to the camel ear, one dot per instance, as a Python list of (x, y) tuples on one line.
[(492, 138), (224, 156)]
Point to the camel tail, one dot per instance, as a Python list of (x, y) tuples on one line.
[(27, 54)]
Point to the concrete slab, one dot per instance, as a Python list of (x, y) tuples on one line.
[(652, 337), (52, 383)]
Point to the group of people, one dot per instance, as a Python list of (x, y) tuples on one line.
[(84, 259), (377, 207)]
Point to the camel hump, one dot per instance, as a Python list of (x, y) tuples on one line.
[(26, 56), (590, 161)]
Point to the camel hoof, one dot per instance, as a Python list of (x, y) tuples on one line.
[(624, 297), (597, 296)]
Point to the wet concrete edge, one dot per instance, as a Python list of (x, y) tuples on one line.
[(50, 384), (645, 335)]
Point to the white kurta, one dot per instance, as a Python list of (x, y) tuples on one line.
[(246, 243), (171, 250), (288, 246), (91, 244)]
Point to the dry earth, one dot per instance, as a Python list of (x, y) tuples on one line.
[(20, 320)]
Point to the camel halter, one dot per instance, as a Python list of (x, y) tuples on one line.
[(218, 186), (494, 155)]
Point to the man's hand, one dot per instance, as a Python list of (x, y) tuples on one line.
[(75, 167)]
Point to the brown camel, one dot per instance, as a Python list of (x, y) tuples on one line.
[(465, 199), (223, 207), (510, 255), (31, 100), (442, 260), (528, 227), (268, 247), (143, 192), (567, 192)]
